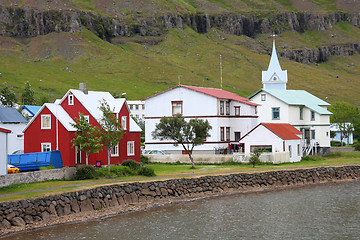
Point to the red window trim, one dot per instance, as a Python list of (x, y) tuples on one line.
[(227, 134), (172, 107), (237, 107), (222, 134)]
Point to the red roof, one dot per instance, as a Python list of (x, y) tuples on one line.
[(5, 130), (283, 130), (214, 92)]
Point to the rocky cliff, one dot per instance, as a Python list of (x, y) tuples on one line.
[(26, 22)]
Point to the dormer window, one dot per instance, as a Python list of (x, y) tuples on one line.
[(274, 78), (71, 99)]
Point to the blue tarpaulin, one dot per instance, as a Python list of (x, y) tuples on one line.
[(33, 161)]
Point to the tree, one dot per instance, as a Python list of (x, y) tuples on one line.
[(28, 97), (255, 156), (345, 116), (188, 134), (111, 132), (7, 96), (87, 137)]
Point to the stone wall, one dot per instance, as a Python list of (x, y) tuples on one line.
[(27, 214), (37, 176)]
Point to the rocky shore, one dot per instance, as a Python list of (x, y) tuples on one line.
[(109, 200)]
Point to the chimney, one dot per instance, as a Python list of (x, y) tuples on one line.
[(82, 87)]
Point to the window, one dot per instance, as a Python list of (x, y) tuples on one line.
[(115, 150), (137, 107), (301, 109), (45, 147), (222, 134), (176, 107), (255, 109), (87, 118), (227, 108), (137, 116), (312, 134), (143, 107), (221, 107), (227, 133), (130, 148), (123, 122), (290, 153), (131, 107), (71, 99), (46, 121), (237, 136), (276, 113), (20, 136), (264, 148), (237, 110), (263, 97), (312, 116), (298, 149)]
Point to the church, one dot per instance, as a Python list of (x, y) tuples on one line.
[(299, 108)]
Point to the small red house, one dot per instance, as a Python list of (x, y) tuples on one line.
[(51, 129)]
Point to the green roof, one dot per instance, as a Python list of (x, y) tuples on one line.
[(299, 97)]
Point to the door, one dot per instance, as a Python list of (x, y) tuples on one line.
[(307, 136)]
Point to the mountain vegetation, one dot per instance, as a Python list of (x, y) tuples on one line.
[(141, 47)]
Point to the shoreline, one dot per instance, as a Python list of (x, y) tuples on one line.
[(127, 206)]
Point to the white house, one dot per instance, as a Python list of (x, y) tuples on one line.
[(3, 150), (11, 119), (341, 137), (137, 109), (29, 111), (230, 116), (301, 109), (275, 138)]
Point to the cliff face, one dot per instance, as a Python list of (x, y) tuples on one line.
[(23, 22)]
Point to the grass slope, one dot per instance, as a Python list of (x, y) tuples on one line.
[(58, 61)]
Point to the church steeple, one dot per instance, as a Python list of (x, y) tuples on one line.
[(274, 77)]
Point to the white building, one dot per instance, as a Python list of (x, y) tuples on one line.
[(230, 116), (301, 109), (137, 109), (3, 150), (346, 138), (275, 138), (11, 119)]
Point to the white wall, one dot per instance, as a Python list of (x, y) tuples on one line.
[(3, 153), (14, 143), (199, 105), (265, 110)]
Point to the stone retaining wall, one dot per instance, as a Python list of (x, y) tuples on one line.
[(37, 176), (26, 214)]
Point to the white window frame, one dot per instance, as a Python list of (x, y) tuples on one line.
[(43, 116), (123, 122), (131, 148), (71, 99), (272, 112), (263, 97), (47, 145), (312, 116), (115, 150)]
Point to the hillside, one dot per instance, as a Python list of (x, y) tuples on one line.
[(141, 47)]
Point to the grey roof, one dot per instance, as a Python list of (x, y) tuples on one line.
[(11, 115)]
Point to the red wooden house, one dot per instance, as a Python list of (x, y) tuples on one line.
[(51, 129)]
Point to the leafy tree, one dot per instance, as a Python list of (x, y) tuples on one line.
[(345, 116), (255, 156), (188, 134), (7, 96), (86, 137), (28, 96), (111, 132)]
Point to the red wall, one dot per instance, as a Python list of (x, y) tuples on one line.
[(34, 136)]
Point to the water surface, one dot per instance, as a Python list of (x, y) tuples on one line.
[(329, 211)]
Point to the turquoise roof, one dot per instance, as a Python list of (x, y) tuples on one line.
[(32, 109), (299, 97)]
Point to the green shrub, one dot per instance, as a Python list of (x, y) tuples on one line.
[(133, 165), (357, 146), (146, 171), (115, 171), (86, 172), (144, 159), (335, 143)]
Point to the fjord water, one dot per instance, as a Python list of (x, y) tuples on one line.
[(328, 211)]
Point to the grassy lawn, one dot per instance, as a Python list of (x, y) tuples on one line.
[(40, 189)]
